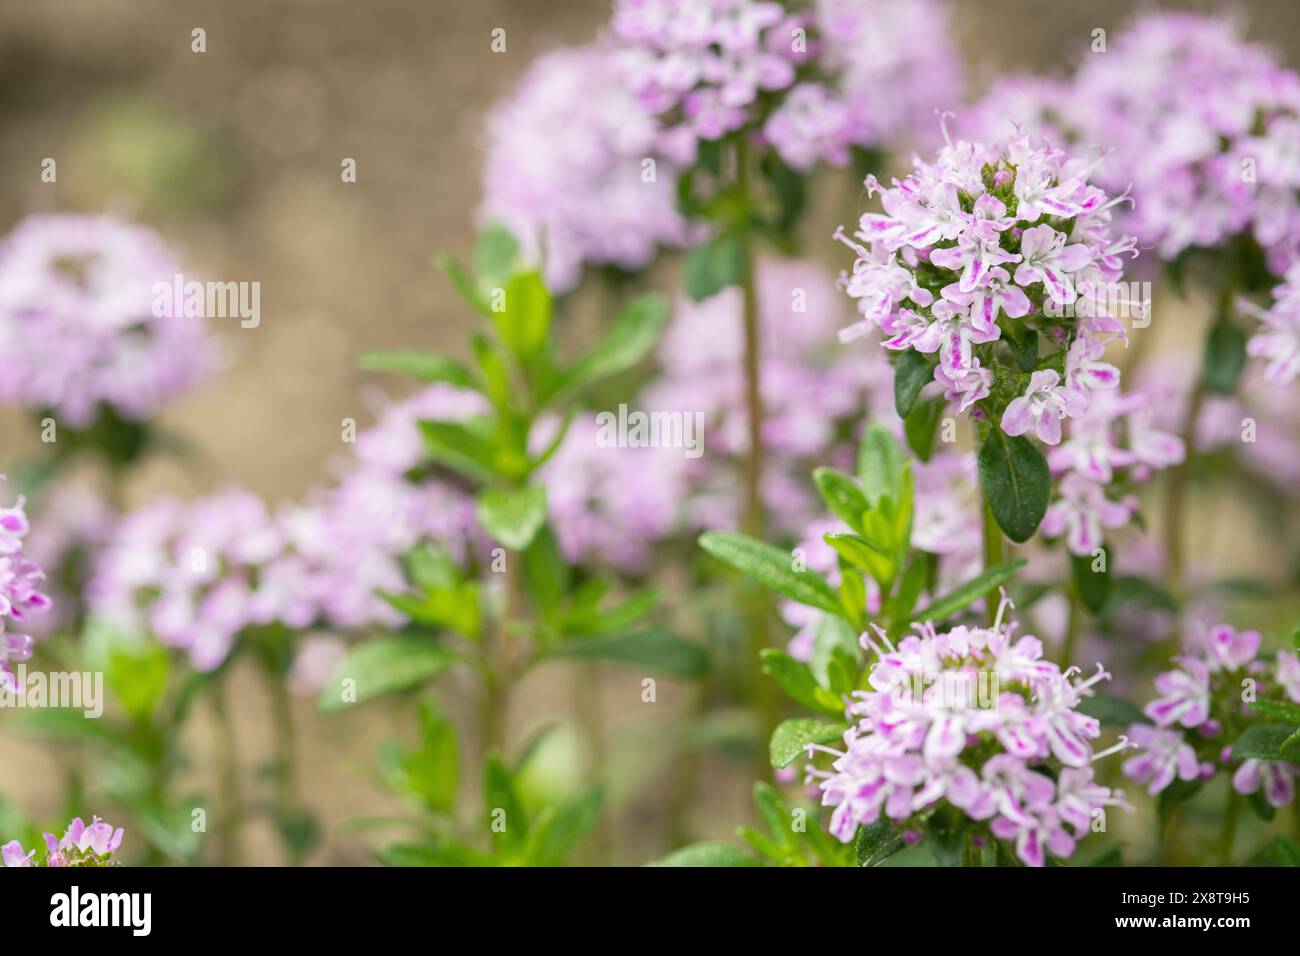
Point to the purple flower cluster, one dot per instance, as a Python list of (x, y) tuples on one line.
[(574, 170), (77, 323), (198, 574), (989, 238), (975, 718), (20, 594), (705, 63), (1201, 702), (80, 845), (1205, 128)]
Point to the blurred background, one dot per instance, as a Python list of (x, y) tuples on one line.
[(234, 156)]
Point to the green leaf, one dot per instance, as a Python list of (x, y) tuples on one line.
[(562, 827), (788, 185), (714, 265), (383, 666), (1261, 742), (1225, 355), (546, 573), (432, 772), (462, 447), (1093, 587), (631, 337), (1291, 747), (1115, 711), (654, 648), (496, 256), (138, 676), (835, 640), (912, 373), (509, 832), (880, 465), (424, 366), (512, 516), (525, 320), (920, 425), (1023, 342), (876, 842), (797, 680), (1016, 483), (492, 364), (772, 568), (898, 608), (454, 608), (967, 594), (1283, 851), (711, 853), (876, 560), (1277, 710), (793, 735), (441, 853), (842, 496)]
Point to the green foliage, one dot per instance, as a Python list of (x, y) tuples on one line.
[(374, 668), (792, 736), (1016, 483)]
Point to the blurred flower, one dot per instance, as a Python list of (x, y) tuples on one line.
[(1278, 342), (77, 322), (566, 169)]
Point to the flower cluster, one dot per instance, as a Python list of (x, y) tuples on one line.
[(1201, 708), (197, 574), (80, 845), (975, 718), (573, 169), (78, 327), (1116, 443), (987, 241), (1204, 126), (1277, 343), (703, 63), (20, 594)]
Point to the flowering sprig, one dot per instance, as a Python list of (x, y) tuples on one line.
[(1219, 710), (80, 845), (976, 720), (988, 272)]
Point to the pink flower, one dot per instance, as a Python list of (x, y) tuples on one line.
[(14, 854), (1045, 403), (1229, 649), (1274, 777), (1047, 259), (1082, 512), (1184, 695), (1164, 757), (964, 385), (1278, 342)]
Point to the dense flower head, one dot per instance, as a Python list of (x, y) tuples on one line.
[(573, 169), (21, 596), (80, 845), (78, 327), (704, 63), (978, 719), (1202, 706), (991, 240), (1205, 128), (191, 574)]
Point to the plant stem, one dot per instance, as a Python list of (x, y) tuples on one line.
[(228, 775), (756, 604), (1071, 627), (287, 799), (499, 676), (1176, 496), (993, 554), (1228, 832), (592, 720)]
